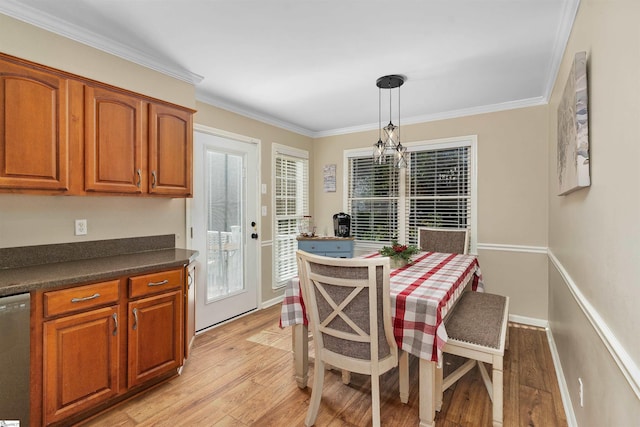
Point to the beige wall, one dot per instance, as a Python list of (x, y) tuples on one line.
[(512, 195), (33, 220), (594, 233), (268, 135)]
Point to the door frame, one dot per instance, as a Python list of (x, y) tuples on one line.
[(188, 208)]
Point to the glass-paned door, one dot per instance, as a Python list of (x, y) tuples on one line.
[(223, 210)]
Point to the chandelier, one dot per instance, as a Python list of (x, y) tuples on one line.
[(388, 147)]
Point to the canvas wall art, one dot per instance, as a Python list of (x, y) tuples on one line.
[(573, 130)]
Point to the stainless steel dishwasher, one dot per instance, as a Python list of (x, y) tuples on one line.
[(14, 359)]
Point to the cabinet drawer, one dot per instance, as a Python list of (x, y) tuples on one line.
[(154, 283), (80, 298), (331, 247)]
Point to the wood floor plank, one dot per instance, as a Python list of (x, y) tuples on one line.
[(242, 374)]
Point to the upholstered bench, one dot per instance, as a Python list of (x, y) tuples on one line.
[(477, 329)]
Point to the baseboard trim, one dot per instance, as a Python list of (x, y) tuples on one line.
[(562, 382), (626, 364), (272, 302), (530, 321)]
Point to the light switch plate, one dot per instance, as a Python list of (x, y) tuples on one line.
[(264, 211), (264, 188)]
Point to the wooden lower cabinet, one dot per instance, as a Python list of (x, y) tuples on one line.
[(102, 342), (154, 336), (80, 362)]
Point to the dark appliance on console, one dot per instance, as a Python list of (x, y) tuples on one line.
[(342, 225)]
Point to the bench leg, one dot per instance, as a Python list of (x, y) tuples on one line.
[(403, 362), (497, 379)]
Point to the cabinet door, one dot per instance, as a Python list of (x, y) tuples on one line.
[(80, 362), (34, 132), (114, 135), (155, 336), (170, 151)]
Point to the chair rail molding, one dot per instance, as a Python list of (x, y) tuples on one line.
[(626, 364), (512, 248)]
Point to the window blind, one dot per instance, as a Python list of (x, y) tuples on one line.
[(438, 190), (435, 190), (291, 205), (372, 199)]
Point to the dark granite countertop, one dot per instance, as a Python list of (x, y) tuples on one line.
[(21, 279)]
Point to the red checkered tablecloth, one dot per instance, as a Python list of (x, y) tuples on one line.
[(421, 295)]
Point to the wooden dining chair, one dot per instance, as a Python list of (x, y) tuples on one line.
[(349, 308), (477, 329), (449, 240)]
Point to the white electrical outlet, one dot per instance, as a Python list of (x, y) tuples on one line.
[(81, 227), (581, 392)]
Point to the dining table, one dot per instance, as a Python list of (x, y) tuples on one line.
[(422, 293)]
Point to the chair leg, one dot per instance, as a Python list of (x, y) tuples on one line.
[(497, 379), (316, 392), (375, 400), (346, 377)]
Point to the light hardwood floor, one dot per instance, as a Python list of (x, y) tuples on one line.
[(241, 374)]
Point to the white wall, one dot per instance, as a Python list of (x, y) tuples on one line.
[(33, 220), (594, 233), (512, 196)]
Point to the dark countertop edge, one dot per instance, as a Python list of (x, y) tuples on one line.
[(50, 276)]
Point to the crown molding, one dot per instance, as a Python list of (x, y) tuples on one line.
[(43, 20), (208, 99), (561, 39), (492, 108)]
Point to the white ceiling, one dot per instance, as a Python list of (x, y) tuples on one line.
[(311, 65)]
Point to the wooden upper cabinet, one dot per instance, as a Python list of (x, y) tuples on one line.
[(34, 132), (170, 151), (65, 134), (114, 142)]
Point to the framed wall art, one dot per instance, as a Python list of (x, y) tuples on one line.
[(573, 130)]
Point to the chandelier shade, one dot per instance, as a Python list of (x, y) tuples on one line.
[(388, 146)]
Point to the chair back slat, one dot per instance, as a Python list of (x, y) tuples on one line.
[(448, 240)]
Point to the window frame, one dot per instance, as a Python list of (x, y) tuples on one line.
[(470, 141)]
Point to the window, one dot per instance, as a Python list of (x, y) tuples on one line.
[(437, 189), (291, 204)]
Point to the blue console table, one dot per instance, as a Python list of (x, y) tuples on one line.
[(335, 247)]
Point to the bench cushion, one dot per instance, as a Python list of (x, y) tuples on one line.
[(477, 318)]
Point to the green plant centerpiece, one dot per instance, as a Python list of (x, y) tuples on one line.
[(399, 255)]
